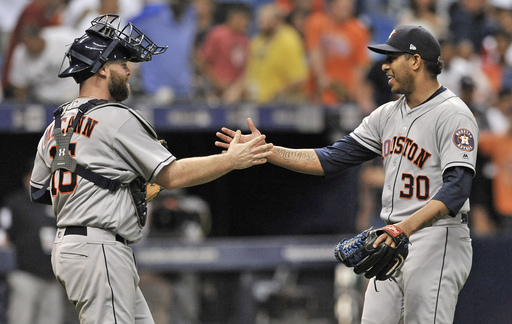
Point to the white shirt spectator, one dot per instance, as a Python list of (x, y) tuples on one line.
[(39, 73), (79, 13)]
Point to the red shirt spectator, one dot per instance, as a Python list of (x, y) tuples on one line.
[(224, 53)]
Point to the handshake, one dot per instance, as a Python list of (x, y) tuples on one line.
[(246, 150)]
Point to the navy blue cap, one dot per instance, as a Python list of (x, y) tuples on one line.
[(412, 40)]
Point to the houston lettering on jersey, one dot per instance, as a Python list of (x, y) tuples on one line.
[(85, 126), (407, 148)]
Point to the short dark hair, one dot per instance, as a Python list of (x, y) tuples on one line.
[(433, 68)]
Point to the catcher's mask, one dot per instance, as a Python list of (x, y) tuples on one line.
[(105, 41)]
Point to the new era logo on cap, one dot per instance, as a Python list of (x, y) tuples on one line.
[(412, 40)]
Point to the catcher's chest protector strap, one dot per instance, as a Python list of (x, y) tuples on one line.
[(63, 159)]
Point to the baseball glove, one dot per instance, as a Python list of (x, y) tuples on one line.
[(380, 262)]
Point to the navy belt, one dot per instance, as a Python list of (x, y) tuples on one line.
[(82, 230)]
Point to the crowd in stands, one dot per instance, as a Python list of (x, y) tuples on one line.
[(272, 52)]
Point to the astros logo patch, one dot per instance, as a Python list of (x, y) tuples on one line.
[(464, 140)]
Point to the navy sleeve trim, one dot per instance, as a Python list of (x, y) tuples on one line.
[(343, 154), (456, 188)]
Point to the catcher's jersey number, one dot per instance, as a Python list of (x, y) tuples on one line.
[(67, 180)]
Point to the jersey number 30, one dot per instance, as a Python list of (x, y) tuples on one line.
[(66, 183), (419, 186)]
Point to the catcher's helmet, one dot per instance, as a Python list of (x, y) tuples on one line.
[(103, 42)]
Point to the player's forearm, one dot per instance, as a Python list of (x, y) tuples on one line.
[(433, 211), (298, 160), (194, 171)]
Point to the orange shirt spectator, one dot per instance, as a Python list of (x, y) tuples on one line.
[(499, 148), (336, 43), (286, 6)]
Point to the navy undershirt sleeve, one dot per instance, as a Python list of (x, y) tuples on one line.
[(343, 154), (456, 188), (40, 197)]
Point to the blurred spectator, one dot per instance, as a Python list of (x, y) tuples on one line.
[(499, 123), (482, 215), (336, 43), (35, 295), (277, 67), (497, 59), (79, 13), (176, 299), (501, 11), (103, 7), (467, 94), (169, 76), (36, 62), (205, 18), (38, 12), (499, 148), (461, 60), (424, 13), (204, 23), (285, 7), (470, 21), (9, 12), (379, 16), (297, 19), (224, 54)]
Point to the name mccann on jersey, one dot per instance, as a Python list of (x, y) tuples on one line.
[(84, 127), (407, 148)]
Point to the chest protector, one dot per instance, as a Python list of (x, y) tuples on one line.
[(64, 161)]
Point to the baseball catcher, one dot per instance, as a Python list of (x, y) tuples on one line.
[(381, 261)]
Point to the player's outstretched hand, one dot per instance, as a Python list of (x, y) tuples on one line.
[(227, 135), (250, 153)]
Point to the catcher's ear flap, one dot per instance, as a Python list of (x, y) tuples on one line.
[(374, 258)]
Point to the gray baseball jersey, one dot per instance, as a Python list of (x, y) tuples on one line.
[(97, 269), (109, 141), (417, 146)]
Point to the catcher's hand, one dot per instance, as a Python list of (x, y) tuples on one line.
[(152, 190), (381, 261)]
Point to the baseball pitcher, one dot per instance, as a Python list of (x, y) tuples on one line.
[(427, 140)]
